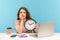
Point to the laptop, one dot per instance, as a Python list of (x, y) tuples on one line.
[(45, 29)]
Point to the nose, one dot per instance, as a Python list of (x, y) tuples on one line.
[(22, 15)]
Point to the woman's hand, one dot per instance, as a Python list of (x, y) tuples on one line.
[(36, 28)]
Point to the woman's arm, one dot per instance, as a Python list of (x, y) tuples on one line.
[(19, 26), (22, 28)]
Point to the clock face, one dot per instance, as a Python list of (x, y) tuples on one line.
[(30, 24)]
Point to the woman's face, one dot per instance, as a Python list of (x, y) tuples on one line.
[(22, 14)]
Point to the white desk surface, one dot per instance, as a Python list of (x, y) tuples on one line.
[(4, 36)]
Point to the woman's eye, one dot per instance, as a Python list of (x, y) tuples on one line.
[(20, 12), (24, 12)]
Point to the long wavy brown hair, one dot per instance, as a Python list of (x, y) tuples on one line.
[(27, 13)]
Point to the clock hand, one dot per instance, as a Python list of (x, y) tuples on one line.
[(30, 24)]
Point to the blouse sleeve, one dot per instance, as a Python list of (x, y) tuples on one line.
[(17, 26)]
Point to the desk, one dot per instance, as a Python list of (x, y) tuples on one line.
[(4, 36)]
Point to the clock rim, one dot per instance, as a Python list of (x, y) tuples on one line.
[(26, 21)]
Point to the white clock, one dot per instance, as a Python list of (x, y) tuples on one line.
[(30, 24)]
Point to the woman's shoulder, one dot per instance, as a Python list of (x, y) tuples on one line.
[(16, 21)]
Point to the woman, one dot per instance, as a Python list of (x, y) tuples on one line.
[(22, 16)]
